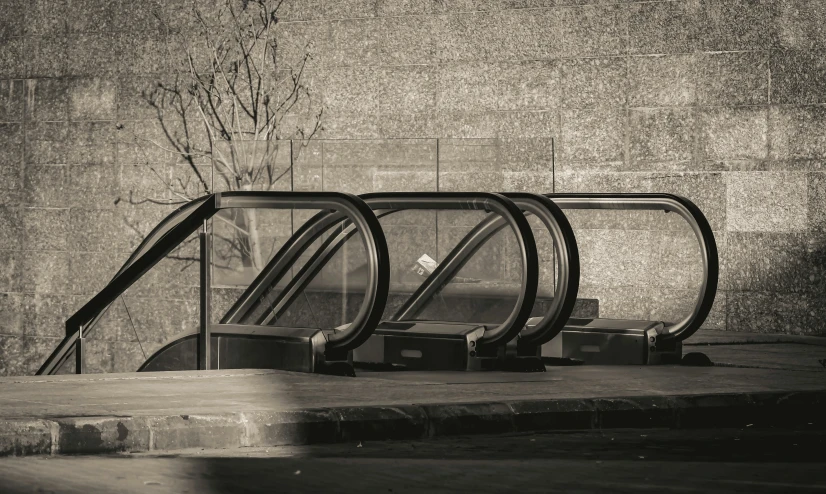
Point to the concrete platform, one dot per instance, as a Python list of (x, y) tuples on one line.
[(770, 383)]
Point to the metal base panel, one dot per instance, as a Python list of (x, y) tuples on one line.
[(614, 342), (441, 346)]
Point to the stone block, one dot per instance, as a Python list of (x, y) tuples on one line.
[(132, 92), (766, 262), (797, 77), (674, 260), (613, 258), (300, 42), (300, 10), (707, 190), (730, 25), (530, 34), (48, 99), (734, 133), (353, 42), (143, 54), (87, 16), (11, 25), (11, 148), (395, 180), (45, 315), (798, 24), (13, 362), (540, 182), (47, 56), (481, 36), (593, 30), (153, 16), (353, 90), (93, 99), (473, 418), (596, 135), (95, 230), (528, 85), (798, 132), (350, 8), (12, 316), (42, 272), (662, 27), (89, 272), (45, 229), (91, 143), (527, 124), (769, 312), (816, 201), (766, 202), (12, 62), (734, 78), (12, 100), (44, 17), (92, 186), (404, 7), (408, 89), (454, 125), (590, 82), (661, 134), (46, 142), (25, 437), (662, 80), (468, 86), (407, 40), (11, 221), (290, 427)]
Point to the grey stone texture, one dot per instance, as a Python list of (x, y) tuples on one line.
[(718, 100)]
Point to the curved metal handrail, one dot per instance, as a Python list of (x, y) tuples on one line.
[(513, 217), (176, 227), (693, 216), (568, 267), (384, 204)]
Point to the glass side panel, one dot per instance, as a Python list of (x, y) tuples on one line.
[(486, 287), (326, 295), (158, 307)]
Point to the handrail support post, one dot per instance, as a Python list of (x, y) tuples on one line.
[(204, 337), (80, 353)]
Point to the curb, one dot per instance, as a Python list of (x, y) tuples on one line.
[(101, 435)]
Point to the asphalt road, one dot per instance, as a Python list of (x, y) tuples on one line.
[(730, 460)]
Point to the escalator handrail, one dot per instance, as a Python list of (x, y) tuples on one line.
[(279, 265), (566, 250), (514, 218), (567, 266), (162, 240), (375, 248), (388, 203), (691, 214)]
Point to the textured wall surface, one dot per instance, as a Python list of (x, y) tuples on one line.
[(719, 100)]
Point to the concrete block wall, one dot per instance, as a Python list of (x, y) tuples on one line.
[(718, 100)]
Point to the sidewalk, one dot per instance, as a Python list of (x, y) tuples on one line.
[(757, 378)]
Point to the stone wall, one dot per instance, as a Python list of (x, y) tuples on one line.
[(718, 100)]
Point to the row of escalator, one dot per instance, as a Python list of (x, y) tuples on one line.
[(313, 308)]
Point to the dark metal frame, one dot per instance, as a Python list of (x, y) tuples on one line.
[(689, 211), (176, 227), (508, 214), (567, 273)]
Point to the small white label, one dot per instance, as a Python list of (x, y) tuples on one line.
[(589, 349), (412, 353)]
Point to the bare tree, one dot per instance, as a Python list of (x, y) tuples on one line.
[(227, 108)]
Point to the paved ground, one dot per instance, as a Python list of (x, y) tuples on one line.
[(172, 410), (723, 460)]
